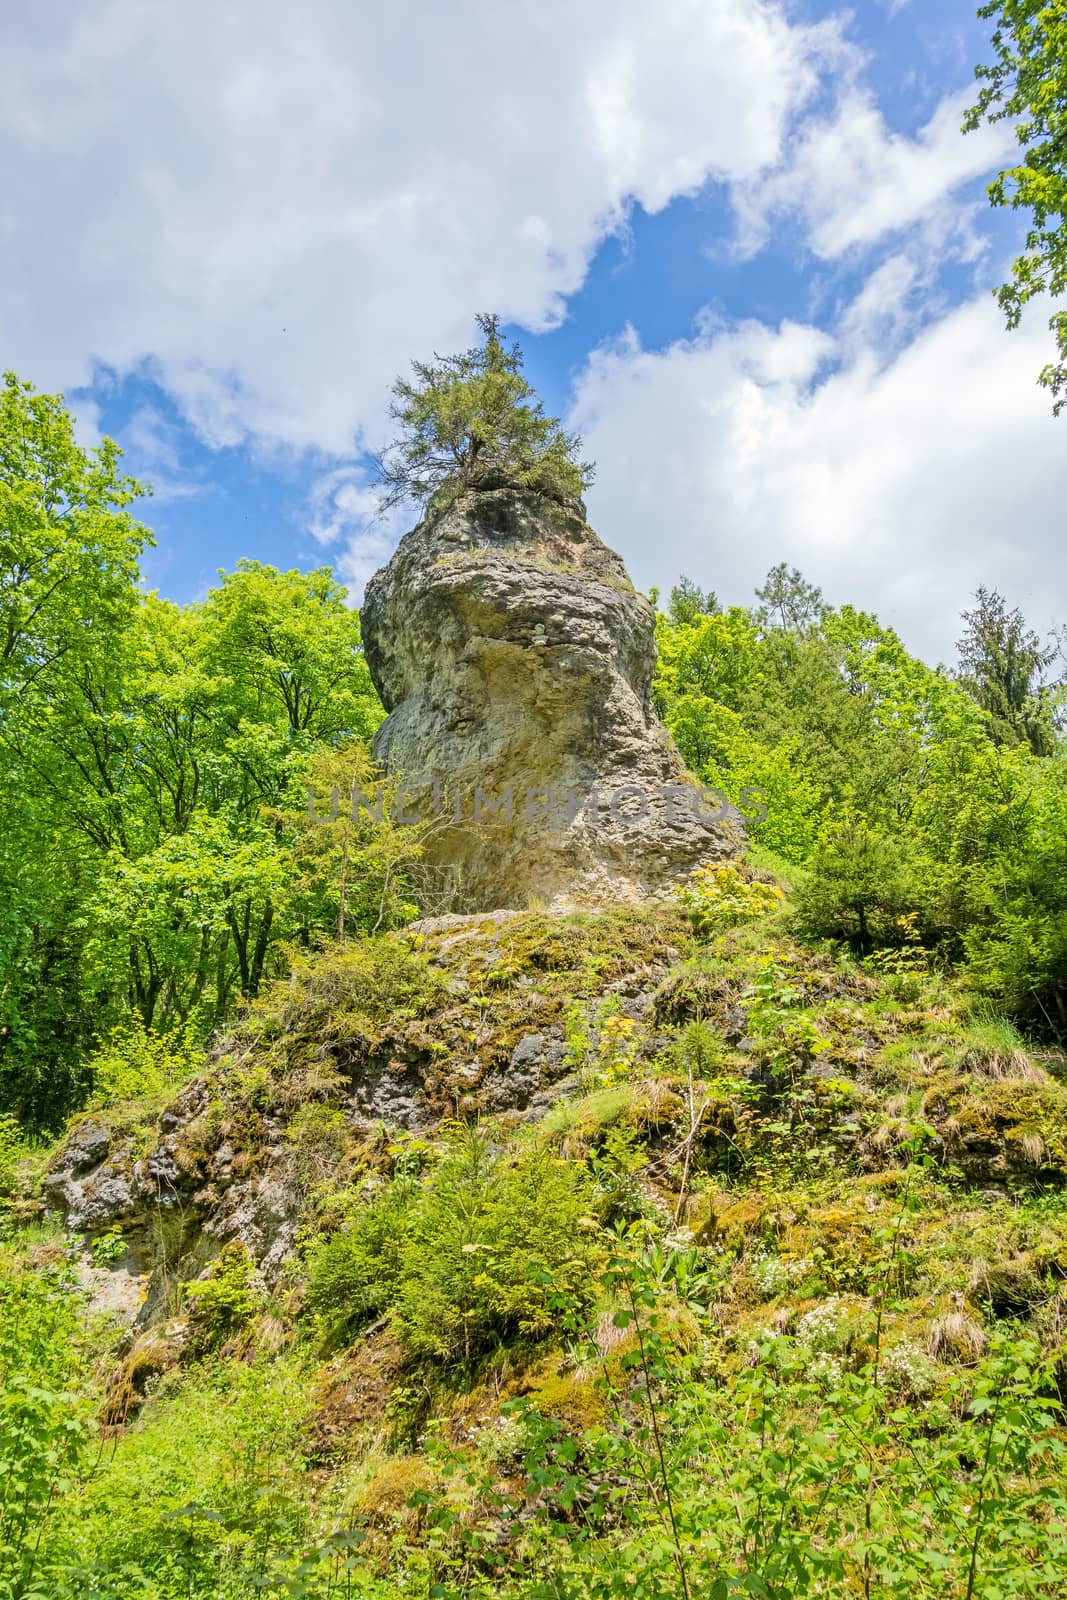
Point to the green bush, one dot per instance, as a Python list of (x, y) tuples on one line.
[(226, 1299), (354, 1275), (345, 997), (134, 1063), (205, 1499), (45, 1429), (12, 1148), (725, 895), (469, 1257), (497, 1238), (860, 882)]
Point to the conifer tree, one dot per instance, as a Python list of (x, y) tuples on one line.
[(1002, 664), (472, 421)]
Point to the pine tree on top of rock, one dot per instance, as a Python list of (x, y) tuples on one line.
[(471, 421)]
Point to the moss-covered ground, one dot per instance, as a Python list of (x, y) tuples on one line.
[(762, 1181)]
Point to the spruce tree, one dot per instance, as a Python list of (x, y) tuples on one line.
[(472, 421), (1002, 664)]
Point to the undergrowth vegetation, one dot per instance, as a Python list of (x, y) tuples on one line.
[(464, 1261), (768, 1295)]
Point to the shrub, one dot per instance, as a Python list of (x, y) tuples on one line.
[(107, 1248), (347, 997), (11, 1151), (495, 1241), (44, 1429), (859, 887), (471, 1256), (205, 1499), (134, 1063), (789, 1036), (316, 1138), (724, 896), (226, 1299), (354, 1275)]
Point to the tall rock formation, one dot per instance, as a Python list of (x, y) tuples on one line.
[(515, 660)]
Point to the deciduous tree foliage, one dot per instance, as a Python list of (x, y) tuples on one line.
[(1026, 83), (68, 545), (889, 787), (153, 761)]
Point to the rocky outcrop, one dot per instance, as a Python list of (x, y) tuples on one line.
[(354, 1067), (91, 1183), (515, 660), (230, 1160)]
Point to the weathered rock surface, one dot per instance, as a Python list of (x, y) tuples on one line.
[(90, 1185), (219, 1168), (515, 660)]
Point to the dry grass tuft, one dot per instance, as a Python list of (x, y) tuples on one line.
[(999, 1064), (956, 1337), (1033, 1148), (607, 1334)]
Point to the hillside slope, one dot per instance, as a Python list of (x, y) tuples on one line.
[(635, 1252)]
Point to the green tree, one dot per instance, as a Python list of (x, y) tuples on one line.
[(689, 601), (350, 863), (69, 550), (862, 880), (896, 788), (288, 647), (153, 769), (1027, 84), (994, 819), (831, 709), (789, 601), (69, 547), (472, 421), (1001, 665)]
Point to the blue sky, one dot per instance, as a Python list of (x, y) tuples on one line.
[(743, 244)]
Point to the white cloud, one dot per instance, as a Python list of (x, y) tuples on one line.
[(272, 207), (898, 486), (150, 441), (343, 505), (340, 500), (887, 306), (852, 180), (366, 551), (268, 209)]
